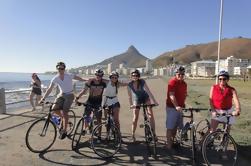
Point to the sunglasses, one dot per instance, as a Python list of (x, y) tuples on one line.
[(61, 68), (99, 75), (222, 79), (180, 74), (114, 77)]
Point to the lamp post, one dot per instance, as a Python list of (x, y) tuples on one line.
[(219, 42)]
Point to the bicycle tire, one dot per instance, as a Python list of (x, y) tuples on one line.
[(202, 129), (42, 132), (219, 148), (77, 134), (150, 141), (71, 122), (110, 141)]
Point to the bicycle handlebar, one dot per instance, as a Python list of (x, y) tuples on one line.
[(89, 105), (143, 105), (194, 109)]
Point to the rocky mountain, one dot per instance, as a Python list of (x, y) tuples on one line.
[(132, 58), (238, 47)]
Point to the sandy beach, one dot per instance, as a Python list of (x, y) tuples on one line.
[(13, 151)]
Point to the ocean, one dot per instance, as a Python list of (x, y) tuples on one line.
[(17, 88)]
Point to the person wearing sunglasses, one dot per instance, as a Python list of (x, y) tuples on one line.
[(110, 98), (64, 100), (96, 88), (139, 93), (176, 96), (221, 99)]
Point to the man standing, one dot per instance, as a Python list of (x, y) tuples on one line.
[(176, 95), (65, 97)]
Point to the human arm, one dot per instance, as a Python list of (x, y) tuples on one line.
[(84, 90), (150, 94), (236, 103), (48, 91), (79, 78), (174, 101), (129, 95)]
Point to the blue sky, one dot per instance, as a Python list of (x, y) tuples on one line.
[(36, 34)]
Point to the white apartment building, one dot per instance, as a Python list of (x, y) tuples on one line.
[(203, 68), (149, 67), (230, 63)]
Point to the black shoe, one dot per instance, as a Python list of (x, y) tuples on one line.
[(83, 132), (62, 135)]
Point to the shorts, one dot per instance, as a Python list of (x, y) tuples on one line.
[(116, 105), (63, 102), (174, 118), (37, 91), (223, 119), (96, 105)]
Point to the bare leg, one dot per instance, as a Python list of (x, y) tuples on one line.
[(135, 121), (31, 100), (116, 117), (151, 117)]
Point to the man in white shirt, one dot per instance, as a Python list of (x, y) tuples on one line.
[(65, 97)]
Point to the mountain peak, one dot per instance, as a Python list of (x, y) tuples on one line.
[(132, 49)]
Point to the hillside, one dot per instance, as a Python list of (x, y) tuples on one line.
[(238, 47), (131, 58)]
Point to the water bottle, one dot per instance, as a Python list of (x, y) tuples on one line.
[(56, 119)]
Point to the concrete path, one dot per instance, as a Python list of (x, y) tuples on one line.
[(13, 151)]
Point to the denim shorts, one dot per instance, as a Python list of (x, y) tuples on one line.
[(174, 118)]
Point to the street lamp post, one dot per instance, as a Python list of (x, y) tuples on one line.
[(219, 42)]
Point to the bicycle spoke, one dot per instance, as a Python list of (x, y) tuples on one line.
[(41, 135), (106, 143), (219, 148)]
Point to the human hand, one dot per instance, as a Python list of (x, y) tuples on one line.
[(41, 101), (178, 108), (235, 113)]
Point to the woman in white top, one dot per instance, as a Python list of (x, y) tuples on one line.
[(110, 98)]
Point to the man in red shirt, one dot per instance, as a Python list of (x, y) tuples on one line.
[(176, 95)]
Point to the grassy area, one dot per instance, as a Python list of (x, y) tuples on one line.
[(198, 96)]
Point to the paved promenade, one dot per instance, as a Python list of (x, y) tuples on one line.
[(13, 151)]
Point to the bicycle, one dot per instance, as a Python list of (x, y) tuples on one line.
[(42, 133), (89, 120), (182, 135), (106, 144), (220, 144), (150, 137)]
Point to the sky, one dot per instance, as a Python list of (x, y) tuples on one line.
[(36, 34)]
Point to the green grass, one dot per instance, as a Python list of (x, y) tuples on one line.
[(198, 96)]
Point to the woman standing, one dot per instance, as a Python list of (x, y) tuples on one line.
[(139, 93), (35, 90)]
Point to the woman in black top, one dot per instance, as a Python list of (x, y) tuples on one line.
[(35, 90)]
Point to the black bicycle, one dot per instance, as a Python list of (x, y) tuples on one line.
[(150, 137), (190, 138), (106, 137), (42, 133), (85, 124), (219, 146)]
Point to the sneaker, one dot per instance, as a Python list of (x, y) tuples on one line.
[(62, 135)]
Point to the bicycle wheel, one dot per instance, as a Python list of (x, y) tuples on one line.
[(201, 129), (108, 142), (41, 135), (71, 122), (219, 148), (77, 134), (150, 141)]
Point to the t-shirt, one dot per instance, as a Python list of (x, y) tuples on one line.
[(110, 94), (179, 87), (222, 99), (65, 85)]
